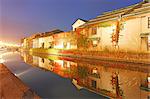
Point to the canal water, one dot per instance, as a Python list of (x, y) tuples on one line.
[(60, 77)]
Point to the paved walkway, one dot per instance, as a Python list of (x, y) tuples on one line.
[(13, 88)]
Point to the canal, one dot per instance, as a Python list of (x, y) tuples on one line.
[(58, 77)]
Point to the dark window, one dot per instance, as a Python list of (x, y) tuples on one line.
[(65, 64), (42, 45), (148, 22), (94, 30), (65, 44), (50, 62), (93, 83), (50, 45), (148, 42), (42, 60)]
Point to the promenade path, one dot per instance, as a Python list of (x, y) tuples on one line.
[(13, 88)]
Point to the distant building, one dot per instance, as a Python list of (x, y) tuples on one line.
[(78, 23), (53, 39), (35, 41), (64, 40), (45, 40)]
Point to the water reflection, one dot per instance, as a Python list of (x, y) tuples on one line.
[(116, 80)]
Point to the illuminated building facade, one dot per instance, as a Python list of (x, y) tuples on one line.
[(126, 29)]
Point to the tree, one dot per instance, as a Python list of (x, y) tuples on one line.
[(82, 72), (83, 41)]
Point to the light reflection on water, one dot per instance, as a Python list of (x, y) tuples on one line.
[(57, 75), (46, 84)]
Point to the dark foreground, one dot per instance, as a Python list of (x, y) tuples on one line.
[(13, 88)]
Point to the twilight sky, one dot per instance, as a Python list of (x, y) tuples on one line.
[(21, 18)]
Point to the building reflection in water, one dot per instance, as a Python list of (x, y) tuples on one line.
[(121, 80)]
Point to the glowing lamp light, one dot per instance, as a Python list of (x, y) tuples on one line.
[(60, 62), (95, 71), (148, 82), (9, 44), (2, 61), (68, 64)]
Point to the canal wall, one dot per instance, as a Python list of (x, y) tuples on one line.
[(100, 55), (12, 87)]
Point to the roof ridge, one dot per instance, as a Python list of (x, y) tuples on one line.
[(121, 9)]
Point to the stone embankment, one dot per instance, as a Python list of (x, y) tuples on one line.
[(12, 87)]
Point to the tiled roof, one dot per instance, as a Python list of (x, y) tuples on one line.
[(79, 19), (113, 15), (53, 32)]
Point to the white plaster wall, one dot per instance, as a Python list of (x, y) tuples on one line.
[(106, 81), (131, 82), (60, 45), (36, 43), (77, 24), (35, 60), (25, 43), (106, 40), (41, 64), (47, 41), (41, 40), (46, 63), (129, 39), (144, 20), (73, 47), (98, 34)]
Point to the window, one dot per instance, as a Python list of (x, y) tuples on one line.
[(51, 62), (82, 32), (148, 42), (94, 30), (95, 43), (95, 71), (148, 82), (65, 44), (93, 83), (145, 43), (148, 22), (51, 45), (42, 45), (42, 60)]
